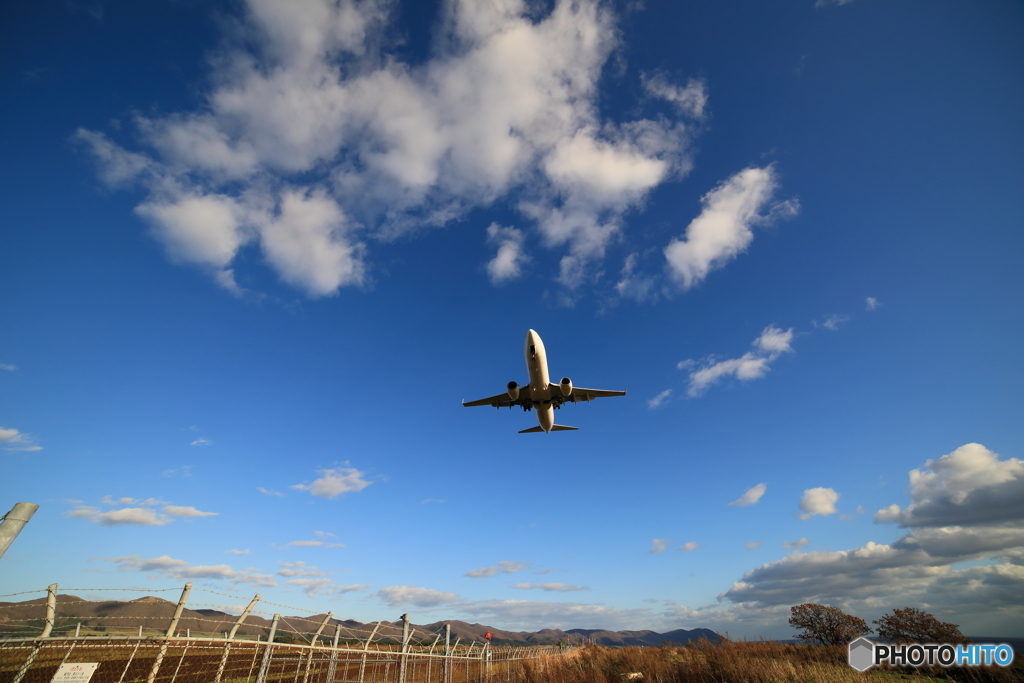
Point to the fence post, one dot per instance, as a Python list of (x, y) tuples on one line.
[(170, 632), (404, 659), (447, 654), (265, 664), (366, 649), (485, 660), (231, 636), (51, 606), (334, 655), (430, 655), (312, 645)]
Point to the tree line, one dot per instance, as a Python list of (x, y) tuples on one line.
[(831, 626)]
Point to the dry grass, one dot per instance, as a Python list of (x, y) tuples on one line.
[(734, 662)]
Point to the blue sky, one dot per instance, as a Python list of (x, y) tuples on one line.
[(253, 258)]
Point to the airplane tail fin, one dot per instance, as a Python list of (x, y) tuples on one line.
[(554, 428)]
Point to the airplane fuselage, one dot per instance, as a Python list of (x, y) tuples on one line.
[(540, 381)]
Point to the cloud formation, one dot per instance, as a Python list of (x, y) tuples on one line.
[(503, 567), (723, 229), (396, 596), (963, 555), (658, 545), (752, 495), (551, 587), (139, 512), (755, 364), (659, 399), (14, 440), (315, 139), (507, 264), (334, 482), (970, 487), (818, 501), (180, 570)]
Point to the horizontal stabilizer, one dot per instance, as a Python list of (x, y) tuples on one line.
[(554, 428)]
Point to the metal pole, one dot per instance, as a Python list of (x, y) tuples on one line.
[(13, 522), (312, 645), (334, 655), (447, 653), (51, 605), (265, 664), (366, 648), (170, 632), (231, 636), (404, 660)]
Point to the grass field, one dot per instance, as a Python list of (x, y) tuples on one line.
[(737, 662)]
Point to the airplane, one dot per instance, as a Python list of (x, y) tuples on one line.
[(540, 394)]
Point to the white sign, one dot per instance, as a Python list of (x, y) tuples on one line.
[(74, 673)]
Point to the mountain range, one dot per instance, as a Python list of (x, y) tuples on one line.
[(152, 614)]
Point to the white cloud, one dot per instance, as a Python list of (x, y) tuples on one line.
[(689, 547), (19, 441), (124, 516), (323, 586), (180, 570), (834, 321), (334, 482), (503, 567), (396, 596), (771, 344), (8, 368), (269, 492), (800, 543), (723, 229), (324, 534), (551, 587), (186, 511), (659, 399), (872, 303), (818, 501), (296, 569), (690, 100), (140, 512), (752, 495), (307, 243), (658, 545), (634, 285), (201, 442), (969, 487), (507, 264), (963, 557), (238, 552), (313, 135), (753, 544)]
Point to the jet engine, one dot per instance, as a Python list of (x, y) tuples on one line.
[(513, 391), (566, 386)]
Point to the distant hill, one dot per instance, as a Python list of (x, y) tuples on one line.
[(153, 614)]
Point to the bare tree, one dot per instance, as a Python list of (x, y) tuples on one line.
[(913, 625), (826, 625)]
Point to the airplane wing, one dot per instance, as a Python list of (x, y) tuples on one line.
[(499, 401), (581, 394)]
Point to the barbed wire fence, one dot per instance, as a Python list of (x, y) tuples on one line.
[(54, 637)]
